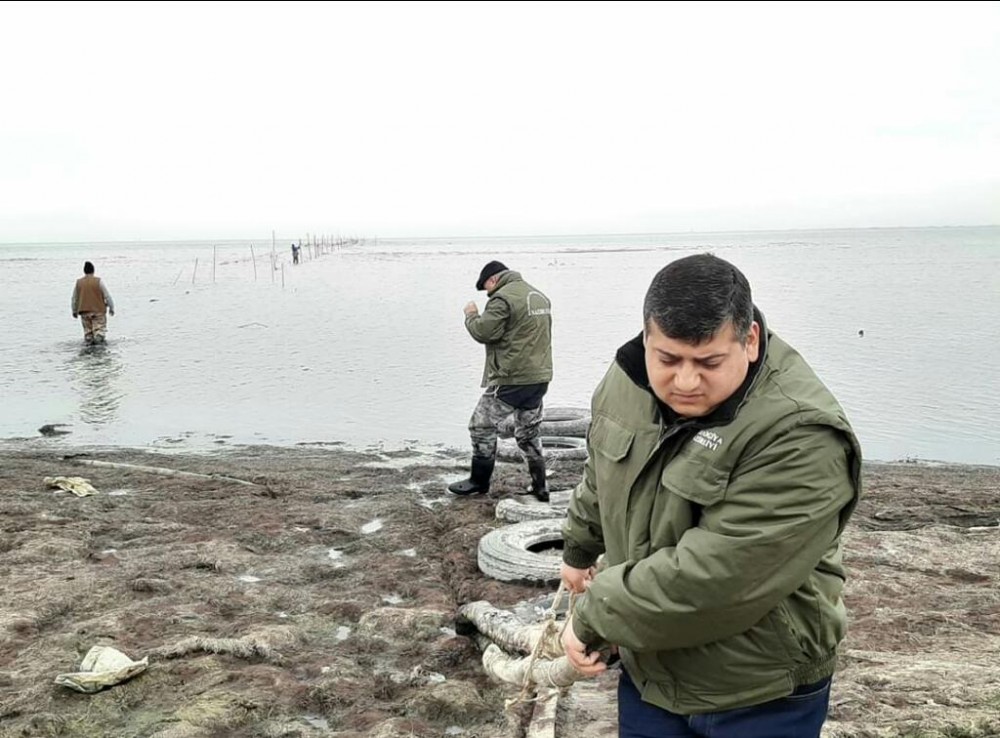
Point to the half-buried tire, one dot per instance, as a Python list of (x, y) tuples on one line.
[(523, 552), (526, 507), (562, 414), (553, 447), (565, 421), (573, 428), (556, 421)]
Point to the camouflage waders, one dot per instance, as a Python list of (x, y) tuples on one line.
[(95, 326), (490, 412)]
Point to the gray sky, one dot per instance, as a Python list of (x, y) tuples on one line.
[(158, 121)]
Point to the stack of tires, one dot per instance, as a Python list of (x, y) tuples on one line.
[(529, 549), (563, 435)]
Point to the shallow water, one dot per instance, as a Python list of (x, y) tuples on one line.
[(366, 345)]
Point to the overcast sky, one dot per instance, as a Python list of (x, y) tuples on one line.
[(159, 121)]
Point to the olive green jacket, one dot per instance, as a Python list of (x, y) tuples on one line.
[(516, 327), (722, 576)]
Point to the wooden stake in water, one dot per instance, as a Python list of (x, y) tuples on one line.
[(254, 260), (195, 272), (215, 250), (282, 275)]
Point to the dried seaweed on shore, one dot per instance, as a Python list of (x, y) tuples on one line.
[(294, 614)]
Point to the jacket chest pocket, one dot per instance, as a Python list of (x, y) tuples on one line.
[(611, 444), (689, 484)]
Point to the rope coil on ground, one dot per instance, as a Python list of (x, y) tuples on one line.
[(559, 672), (501, 634)]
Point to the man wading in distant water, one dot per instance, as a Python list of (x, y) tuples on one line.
[(92, 301), (516, 328)]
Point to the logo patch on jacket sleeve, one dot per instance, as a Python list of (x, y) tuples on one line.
[(709, 439)]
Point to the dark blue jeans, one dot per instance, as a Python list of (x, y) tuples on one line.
[(800, 715)]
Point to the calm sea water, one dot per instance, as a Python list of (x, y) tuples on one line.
[(366, 345)]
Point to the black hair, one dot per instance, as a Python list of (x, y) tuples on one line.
[(693, 298), (88, 268)]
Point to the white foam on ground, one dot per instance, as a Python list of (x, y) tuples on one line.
[(421, 456), (372, 527), (315, 720), (431, 502)]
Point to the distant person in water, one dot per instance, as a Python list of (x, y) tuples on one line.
[(91, 303), (295, 254)]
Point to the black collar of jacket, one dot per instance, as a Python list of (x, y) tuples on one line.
[(632, 359)]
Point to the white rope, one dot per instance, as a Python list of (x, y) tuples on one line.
[(549, 628)]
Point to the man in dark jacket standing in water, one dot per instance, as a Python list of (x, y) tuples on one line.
[(721, 474), (516, 328)]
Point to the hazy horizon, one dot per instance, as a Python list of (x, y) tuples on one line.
[(484, 236)]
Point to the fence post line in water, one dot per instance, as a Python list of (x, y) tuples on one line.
[(254, 260), (195, 272)]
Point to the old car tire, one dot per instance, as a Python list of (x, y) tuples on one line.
[(506, 553), (575, 428), (517, 510), (565, 421), (565, 414), (553, 448), (556, 421)]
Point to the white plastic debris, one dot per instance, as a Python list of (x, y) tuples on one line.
[(102, 667), (77, 485)]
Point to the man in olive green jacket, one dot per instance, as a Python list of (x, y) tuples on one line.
[(721, 474), (516, 329)]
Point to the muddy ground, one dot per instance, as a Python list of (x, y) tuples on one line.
[(321, 600)]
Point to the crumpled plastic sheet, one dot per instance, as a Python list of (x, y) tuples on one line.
[(102, 667), (77, 485)]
